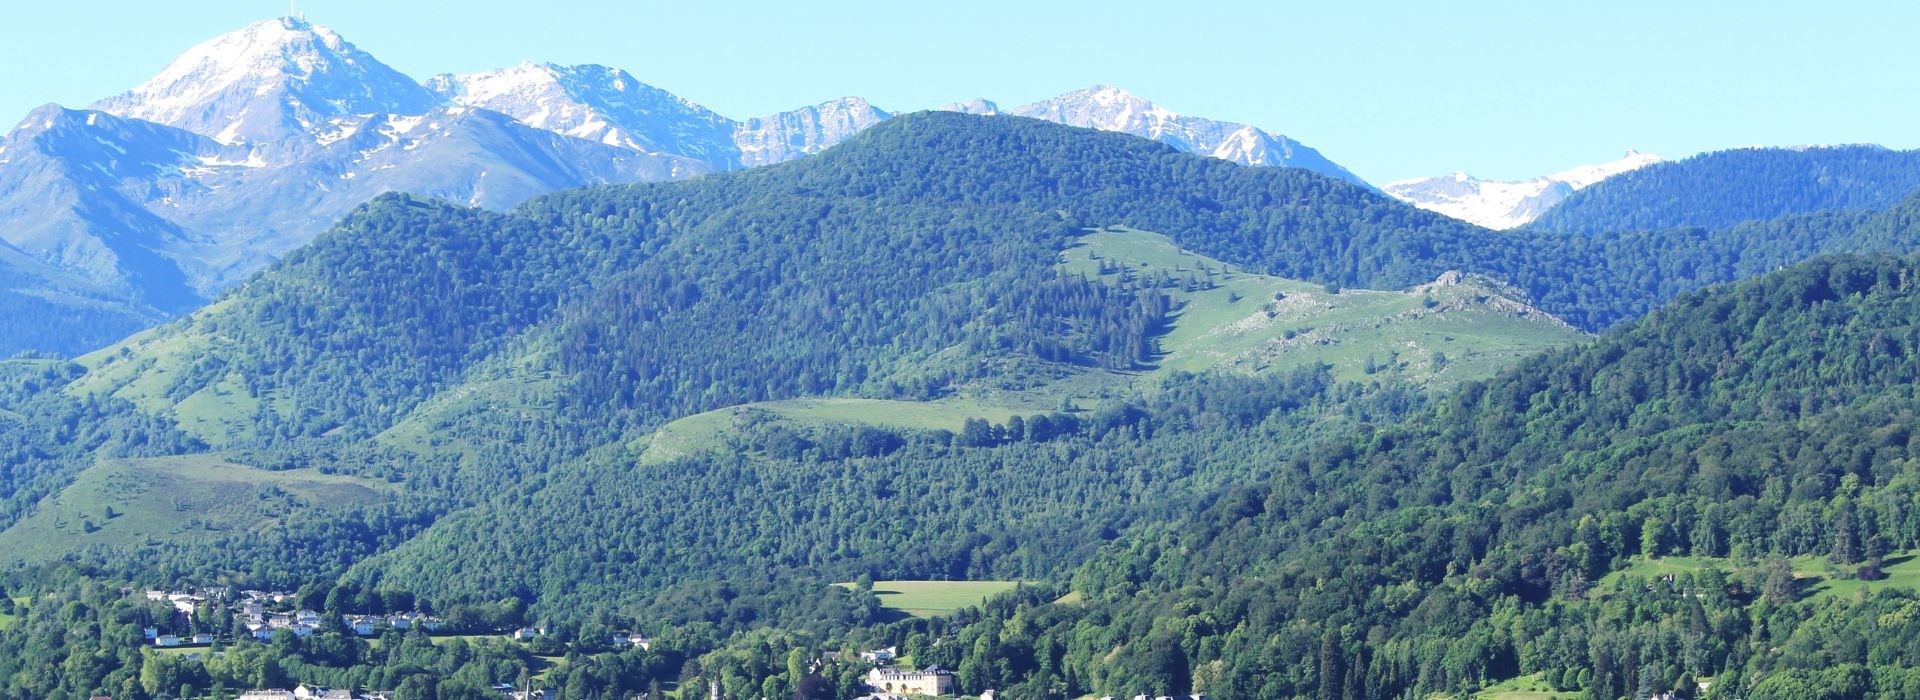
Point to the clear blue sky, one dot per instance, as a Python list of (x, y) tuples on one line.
[(1503, 89)]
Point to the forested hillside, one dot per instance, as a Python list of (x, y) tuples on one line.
[(1229, 421), (1735, 430), (402, 295), (1725, 188)]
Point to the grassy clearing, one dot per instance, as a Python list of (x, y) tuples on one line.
[(920, 415), (181, 650), (934, 598), (1439, 333), (1529, 687), (1816, 576), (128, 503), (716, 430), (220, 413)]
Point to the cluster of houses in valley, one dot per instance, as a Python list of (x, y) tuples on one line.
[(262, 613)]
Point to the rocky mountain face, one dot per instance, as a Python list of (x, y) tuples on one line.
[(1504, 205), (788, 135)]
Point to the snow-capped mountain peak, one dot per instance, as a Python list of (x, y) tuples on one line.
[(1106, 108), (596, 103), (1109, 108), (1505, 205), (267, 81)]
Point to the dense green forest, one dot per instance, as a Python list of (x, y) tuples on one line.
[(1726, 188), (499, 384)]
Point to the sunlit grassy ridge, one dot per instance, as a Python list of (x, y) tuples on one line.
[(127, 502), (1456, 328)]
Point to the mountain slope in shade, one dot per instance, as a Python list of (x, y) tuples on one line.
[(168, 217), (1111, 109), (600, 104), (270, 81), (1504, 205), (73, 189), (153, 218)]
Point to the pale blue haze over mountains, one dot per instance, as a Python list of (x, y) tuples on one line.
[(1503, 90)]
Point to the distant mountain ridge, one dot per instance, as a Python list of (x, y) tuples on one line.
[(1504, 205), (555, 98), (248, 145), (1725, 188)]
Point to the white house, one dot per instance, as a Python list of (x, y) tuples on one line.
[(203, 638), (880, 656), (167, 640), (306, 692)]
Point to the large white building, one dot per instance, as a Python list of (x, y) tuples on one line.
[(932, 680)]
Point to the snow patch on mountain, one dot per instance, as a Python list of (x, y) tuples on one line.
[(1505, 205)]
